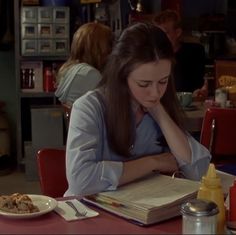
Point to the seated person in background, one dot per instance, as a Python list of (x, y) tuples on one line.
[(189, 66), (129, 126), (91, 44)]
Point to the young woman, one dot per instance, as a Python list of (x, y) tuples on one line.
[(91, 44), (130, 126)]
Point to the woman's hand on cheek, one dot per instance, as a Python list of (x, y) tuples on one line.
[(153, 108), (155, 111)]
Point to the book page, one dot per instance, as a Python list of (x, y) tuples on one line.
[(154, 191)]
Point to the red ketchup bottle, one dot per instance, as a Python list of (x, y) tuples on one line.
[(232, 206), (48, 80)]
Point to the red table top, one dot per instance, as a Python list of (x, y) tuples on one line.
[(105, 223)]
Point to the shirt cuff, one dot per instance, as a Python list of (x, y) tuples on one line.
[(198, 152)]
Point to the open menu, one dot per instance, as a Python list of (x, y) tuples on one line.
[(149, 200)]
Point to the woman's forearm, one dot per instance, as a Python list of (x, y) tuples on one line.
[(175, 137), (141, 167)]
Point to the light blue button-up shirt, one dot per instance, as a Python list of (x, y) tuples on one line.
[(92, 167)]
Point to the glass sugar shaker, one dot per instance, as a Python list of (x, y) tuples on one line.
[(199, 217)]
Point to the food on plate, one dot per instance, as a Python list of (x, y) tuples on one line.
[(17, 203)]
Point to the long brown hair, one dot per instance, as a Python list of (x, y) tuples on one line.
[(91, 44), (138, 44)]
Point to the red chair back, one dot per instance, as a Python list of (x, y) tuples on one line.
[(52, 172), (219, 132)]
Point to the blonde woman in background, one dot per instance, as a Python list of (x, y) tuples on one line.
[(91, 44)]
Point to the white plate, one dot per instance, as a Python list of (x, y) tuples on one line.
[(44, 203)]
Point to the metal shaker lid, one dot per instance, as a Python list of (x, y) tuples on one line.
[(199, 207)]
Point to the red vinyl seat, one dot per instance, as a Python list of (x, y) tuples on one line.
[(218, 134), (52, 172)]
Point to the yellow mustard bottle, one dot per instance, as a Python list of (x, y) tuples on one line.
[(211, 189)]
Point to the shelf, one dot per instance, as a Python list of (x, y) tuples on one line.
[(44, 58), (27, 98), (37, 94)]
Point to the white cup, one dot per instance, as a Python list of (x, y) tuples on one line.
[(221, 97), (185, 98)]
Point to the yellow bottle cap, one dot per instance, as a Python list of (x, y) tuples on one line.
[(211, 178)]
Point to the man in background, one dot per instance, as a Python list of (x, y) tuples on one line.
[(190, 57)]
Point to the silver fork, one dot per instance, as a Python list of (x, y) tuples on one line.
[(78, 213)]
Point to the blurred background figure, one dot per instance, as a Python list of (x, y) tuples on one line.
[(189, 69), (91, 44)]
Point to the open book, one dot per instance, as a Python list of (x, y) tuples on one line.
[(152, 199), (147, 201)]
